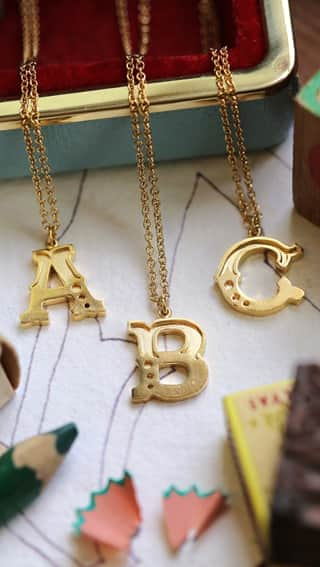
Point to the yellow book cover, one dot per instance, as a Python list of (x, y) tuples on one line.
[(255, 421)]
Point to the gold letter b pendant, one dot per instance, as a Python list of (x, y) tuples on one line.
[(151, 360)]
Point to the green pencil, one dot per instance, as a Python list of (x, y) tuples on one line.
[(26, 468)]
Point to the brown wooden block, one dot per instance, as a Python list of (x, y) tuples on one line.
[(306, 169), (9, 371), (295, 510)]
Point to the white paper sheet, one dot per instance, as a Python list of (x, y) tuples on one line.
[(84, 371)]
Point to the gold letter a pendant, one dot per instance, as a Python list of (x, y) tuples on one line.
[(58, 261)]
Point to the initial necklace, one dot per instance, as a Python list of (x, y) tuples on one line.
[(54, 259), (228, 275), (150, 358)]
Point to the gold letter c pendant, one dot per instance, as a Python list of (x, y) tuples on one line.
[(228, 276)]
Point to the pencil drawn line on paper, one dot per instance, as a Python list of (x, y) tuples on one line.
[(102, 465)]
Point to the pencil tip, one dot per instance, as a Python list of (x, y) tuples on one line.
[(65, 437)]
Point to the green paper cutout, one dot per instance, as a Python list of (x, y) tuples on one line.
[(309, 95), (193, 488)]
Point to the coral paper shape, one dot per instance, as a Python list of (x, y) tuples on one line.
[(113, 515), (189, 513)]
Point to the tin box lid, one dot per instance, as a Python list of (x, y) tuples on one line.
[(260, 81)]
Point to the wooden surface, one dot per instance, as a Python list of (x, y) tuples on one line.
[(306, 19)]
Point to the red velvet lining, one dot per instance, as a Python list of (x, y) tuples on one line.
[(80, 43)]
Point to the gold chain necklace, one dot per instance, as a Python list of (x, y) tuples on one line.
[(228, 275), (53, 259), (209, 30), (151, 359)]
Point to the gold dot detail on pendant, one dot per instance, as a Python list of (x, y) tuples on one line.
[(228, 276)]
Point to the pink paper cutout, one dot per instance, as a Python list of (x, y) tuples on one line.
[(189, 514), (113, 516)]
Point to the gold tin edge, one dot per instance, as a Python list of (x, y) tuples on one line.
[(261, 81)]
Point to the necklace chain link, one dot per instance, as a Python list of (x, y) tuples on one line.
[(144, 17), (30, 121), (142, 135), (231, 122), (209, 31), (235, 144)]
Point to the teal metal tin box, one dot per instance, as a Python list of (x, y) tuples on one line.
[(81, 72)]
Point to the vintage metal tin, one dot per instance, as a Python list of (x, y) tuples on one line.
[(82, 124)]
